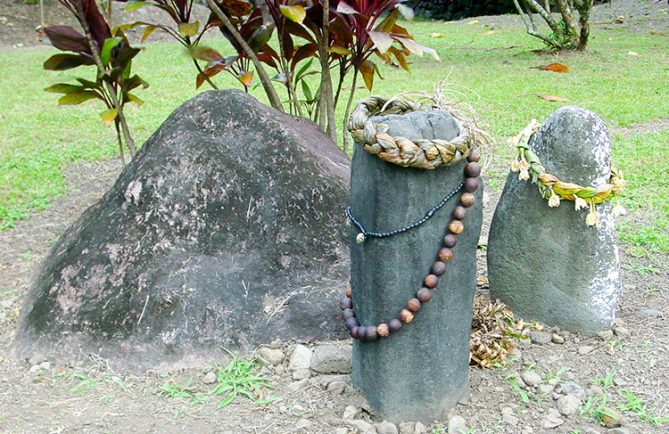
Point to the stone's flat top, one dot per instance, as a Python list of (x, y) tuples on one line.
[(421, 125), (545, 263)]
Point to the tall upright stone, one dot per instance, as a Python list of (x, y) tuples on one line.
[(545, 263), (416, 373)]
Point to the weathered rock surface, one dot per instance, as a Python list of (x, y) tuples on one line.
[(219, 232), (414, 374), (545, 263)]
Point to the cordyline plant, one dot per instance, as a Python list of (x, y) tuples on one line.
[(284, 41), (110, 52), (565, 34)]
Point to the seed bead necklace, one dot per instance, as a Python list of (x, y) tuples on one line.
[(438, 268)]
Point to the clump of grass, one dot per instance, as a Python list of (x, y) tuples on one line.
[(635, 404), (239, 378), (513, 381)]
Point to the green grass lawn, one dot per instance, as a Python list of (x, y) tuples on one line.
[(38, 139)]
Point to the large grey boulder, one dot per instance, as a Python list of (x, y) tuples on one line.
[(545, 263), (421, 370), (227, 229)]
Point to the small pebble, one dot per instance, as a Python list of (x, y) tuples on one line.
[(301, 374), (605, 335), (621, 332), (350, 412), (386, 427), (540, 338), (557, 339), (568, 405), (457, 425), (611, 418), (510, 419), (550, 422), (585, 349), (545, 389), (273, 356), (407, 428), (531, 378), (596, 390), (210, 378)]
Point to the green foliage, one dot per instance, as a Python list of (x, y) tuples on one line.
[(645, 195), (37, 141), (287, 39), (635, 404), (513, 381), (106, 49), (561, 39), (239, 378)]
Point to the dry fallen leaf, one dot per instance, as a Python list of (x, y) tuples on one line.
[(489, 32), (437, 35), (632, 53), (482, 282), (552, 98), (473, 22), (656, 33), (555, 67)]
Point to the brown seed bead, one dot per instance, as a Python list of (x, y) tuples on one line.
[(431, 281), (394, 325), (348, 292), (406, 316), (382, 330), (445, 254), (414, 304), (438, 268), (456, 226), (471, 184), (371, 333), (450, 241), (467, 199), (473, 170), (460, 212), (474, 156), (424, 295)]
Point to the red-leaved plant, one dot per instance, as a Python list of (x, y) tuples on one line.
[(287, 37), (110, 52)]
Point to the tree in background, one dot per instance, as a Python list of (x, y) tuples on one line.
[(568, 32)]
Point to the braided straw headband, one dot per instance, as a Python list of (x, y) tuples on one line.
[(553, 189), (421, 153)]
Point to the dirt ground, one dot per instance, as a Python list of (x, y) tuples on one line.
[(627, 371)]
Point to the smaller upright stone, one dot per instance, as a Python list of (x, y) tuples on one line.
[(545, 263)]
